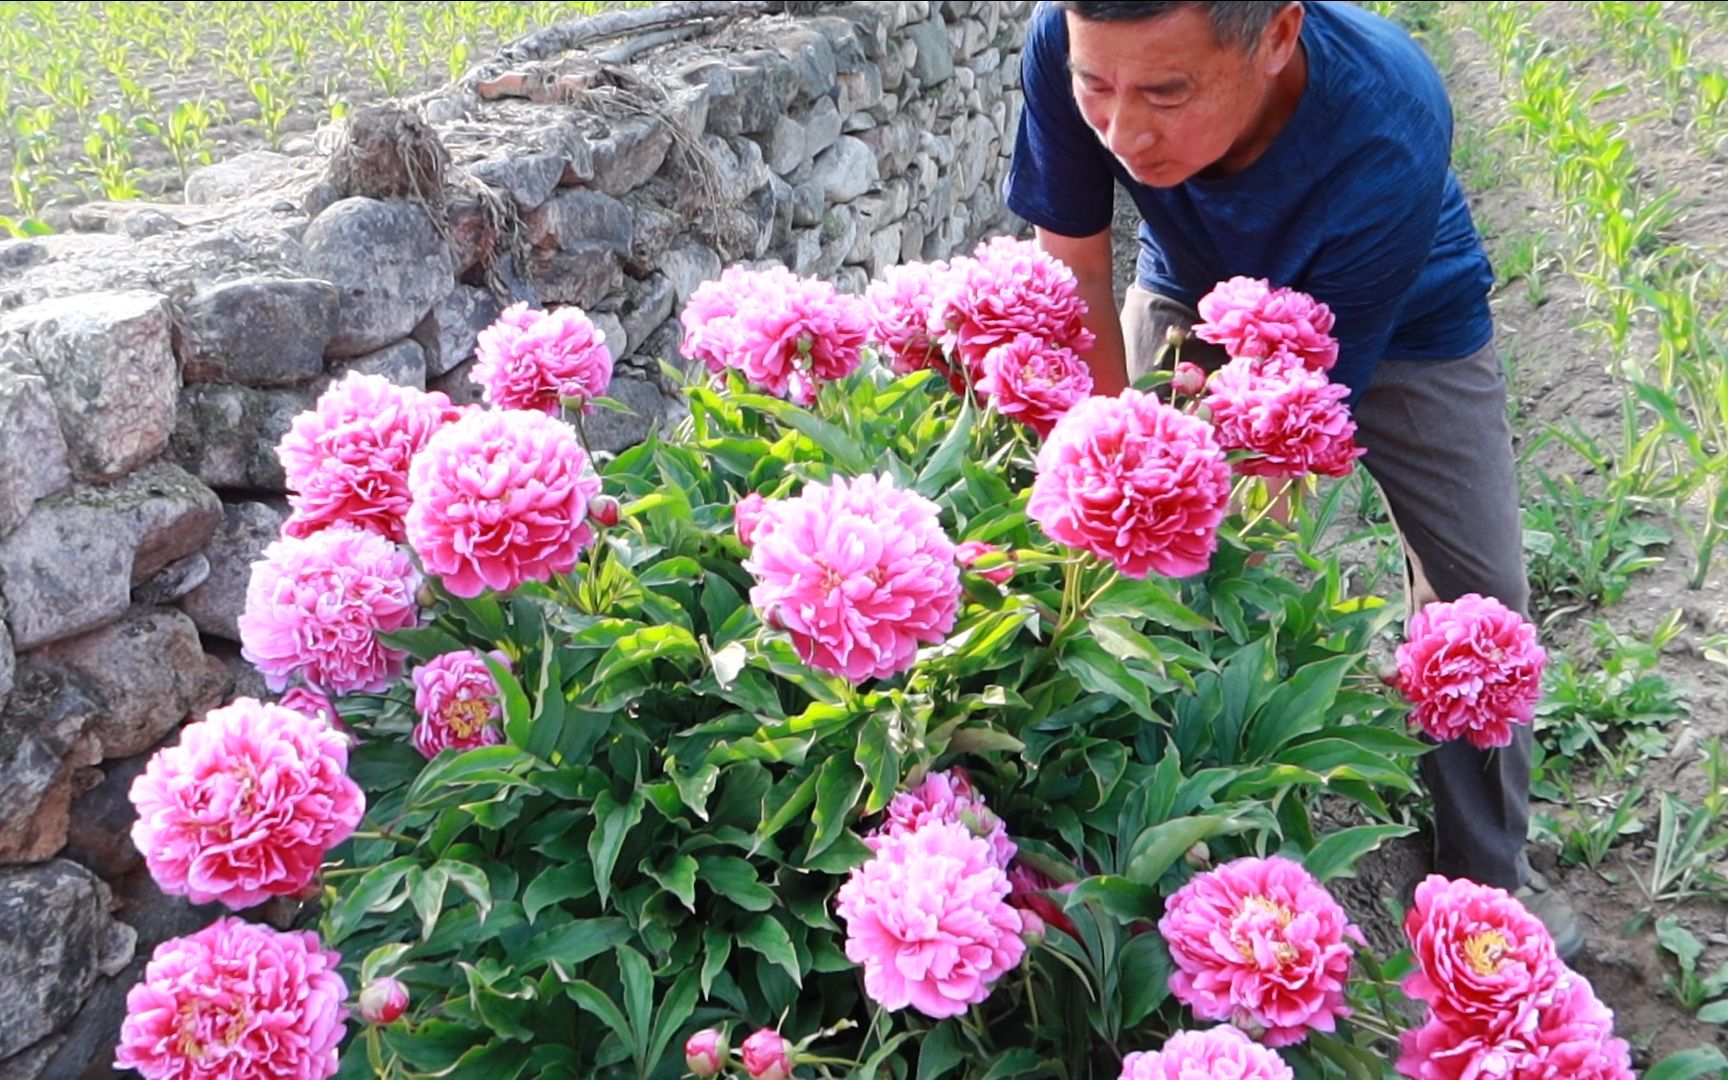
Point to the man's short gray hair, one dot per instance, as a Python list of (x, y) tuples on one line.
[(1235, 23)]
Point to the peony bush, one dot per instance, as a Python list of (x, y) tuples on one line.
[(905, 712)]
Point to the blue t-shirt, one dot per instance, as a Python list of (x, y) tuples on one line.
[(1354, 202)]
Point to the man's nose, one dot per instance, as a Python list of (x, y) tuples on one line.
[(1129, 135)]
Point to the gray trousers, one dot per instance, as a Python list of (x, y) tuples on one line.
[(1439, 446)]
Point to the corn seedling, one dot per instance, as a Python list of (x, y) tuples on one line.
[(1687, 856)]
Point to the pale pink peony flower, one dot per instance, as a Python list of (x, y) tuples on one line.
[(1478, 952), (459, 704), (1290, 419), (747, 517), (1008, 287), (1133, 481), (947, 796), (899, 308), (1219, 1053), (1034, 382), (706, 1053), (1259, 943), (767, 1056), (1188, 380), (383, 1001), (928, 918), (787, 335), (500, 498), (315, 606), (1561, 1032), (1030, 889), (1250, 318), (1471, 668), (858, 572), (346, 458), (312, 703), (533, 359), (235, 1001), (968, 552), (245, 805)]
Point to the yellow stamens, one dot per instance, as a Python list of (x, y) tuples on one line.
[(1484, 951)]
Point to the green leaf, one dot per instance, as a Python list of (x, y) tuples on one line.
[(613, 822), (571, 944), (765, 935), (638, 1000), (1337, 852), (1297, 707), (941, 1051), (675, 1009), (383, 958), (1147, 598), (426, 892), (716, 950), (518, 714), (667, 641), (841, 447), (880, 759), (1101, 673), (796, 803), (377, 890), (1145, 977), (944, 465), (734, 879), (1156, 849), (1674, 937), (837, 788), (555, 884), (679, 879), (1120, 897), (499, 1060), (1688, 1064), (1714, 1013), (471, 880), (593, 1000), (1021, 1062), (483, 764)]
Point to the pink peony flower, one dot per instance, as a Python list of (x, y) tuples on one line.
[(1290, 419), (858, 572), (500, 498), (898, 305), (1134, 481), (1478, 952), (1259, 943), (383, 1001), (968, 552), (245, 805), (1030, 889), (747, 517), (1561, 1032), (315, 606), (786, 334), (706, 1053), (531, 359), (312, 703), (1471, 668), (929, 920), (1250, 318), (458, 702), (947, 796), (767, 1056), (1219, 1053), (235, 1001), (1034, 382), (1007, 288), (1188, 380), (346, 459)]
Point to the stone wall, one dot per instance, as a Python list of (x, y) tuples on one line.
[(151, 358)]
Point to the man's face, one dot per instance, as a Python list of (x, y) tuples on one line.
[(1164, 97)]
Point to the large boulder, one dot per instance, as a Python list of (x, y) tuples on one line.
[(389, 266), (257, 331), (55, 938), (33, 461)]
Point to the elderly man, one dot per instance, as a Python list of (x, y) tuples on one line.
[(1308, 144)]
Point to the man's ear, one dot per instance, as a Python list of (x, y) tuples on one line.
[(1278, 41)]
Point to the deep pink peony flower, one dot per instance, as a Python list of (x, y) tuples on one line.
[(928, 918), (1007, 288), (1291, 420), (968, 552), (532, 359), (346, 459), (312, 703), (947, 796), (1219, 1053), (1259, 943), (1034, 382), (706, 1053), (1478, 952), (315, 606), (858, 572), (747, 517), (383, 1000), (1030, 889), (1471, 668), (899, 308), (458, 702), (235, 1001), (1134, 481), (245, 805), (1562, 1032), (767, 1056), (786, 334), (500, 498), (1250, 318)]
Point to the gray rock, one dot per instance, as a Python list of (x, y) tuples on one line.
[(812, 60), (583, 274), (806, 250), (851, 279), (474, 234), (630, 154), (247, 528), (845, 170), (822, 127), (756, 95), (55, 935), (109, 364), (100, 833), (8, 664), (648, 303), (839, 231), (655, 231), (912, 233), (403, 363), (457, 386), (753, 171), (173, 581), (389, 266), (781, 226), (884, 250), (577, 216), (784, 145), (241, 176), (33, 462), (528, 178), (894, 146), (144, 223), (226, 435), (149, 671), (456, 322), (70, 567), (35, 798), (653, 402), (859, 90), (257, 331), (934, 62), (850, 52), (687, 267), (612, 333), (856, 122), (808, 202)]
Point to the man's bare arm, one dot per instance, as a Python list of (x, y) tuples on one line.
[(1090, 259)]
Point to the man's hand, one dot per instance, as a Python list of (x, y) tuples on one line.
[(1090, 259)]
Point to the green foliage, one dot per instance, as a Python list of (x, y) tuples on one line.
[(1615, 704)]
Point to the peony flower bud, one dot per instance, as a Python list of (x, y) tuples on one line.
[(603, 511), (1199, 856), (969, 552), (1031, 929), (1189, 379), (706, 1053), (383, 1000), (1176, 337), (767, 1056), (747, 516)]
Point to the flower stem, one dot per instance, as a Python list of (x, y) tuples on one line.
[(383, 834)]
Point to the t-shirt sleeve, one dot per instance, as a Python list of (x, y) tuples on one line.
[(1059, 175), (1385, 221)]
